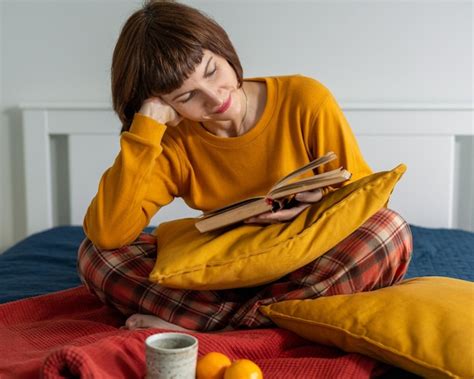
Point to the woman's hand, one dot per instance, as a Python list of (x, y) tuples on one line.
[(305, 199), (158, 110)]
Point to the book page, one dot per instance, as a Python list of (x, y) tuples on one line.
[(310, 166), (314, 182)]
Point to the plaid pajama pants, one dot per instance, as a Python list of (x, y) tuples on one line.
[(376, 255)]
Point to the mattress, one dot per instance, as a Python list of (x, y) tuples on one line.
[(46, 262)]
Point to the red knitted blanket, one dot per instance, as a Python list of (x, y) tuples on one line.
[(71, 334)]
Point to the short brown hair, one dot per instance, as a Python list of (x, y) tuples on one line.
[(158, 48)]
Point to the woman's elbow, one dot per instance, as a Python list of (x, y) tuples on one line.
[(107, 237)]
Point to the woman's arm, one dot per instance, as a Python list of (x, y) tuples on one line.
[(332, 132), (144, 177), (328, 131)]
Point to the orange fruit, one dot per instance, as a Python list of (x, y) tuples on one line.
[(212, 366), (243, 369)]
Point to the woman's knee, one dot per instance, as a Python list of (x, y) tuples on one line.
[(95, 264), (89, 262), (390, 230), (393, 244), (401, 234)]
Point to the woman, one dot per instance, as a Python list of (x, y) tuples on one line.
[(193, 128)]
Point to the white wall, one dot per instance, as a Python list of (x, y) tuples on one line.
[(3, 145), (364, 51), (51, 51)]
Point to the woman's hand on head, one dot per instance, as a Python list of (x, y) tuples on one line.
[(158, 110), (305, 199)]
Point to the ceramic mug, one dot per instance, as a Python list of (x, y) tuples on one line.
[(171, 356)]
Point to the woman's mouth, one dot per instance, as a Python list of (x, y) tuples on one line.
[(225, 106)]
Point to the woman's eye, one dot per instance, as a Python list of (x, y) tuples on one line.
[(213, 72), (191, 94)]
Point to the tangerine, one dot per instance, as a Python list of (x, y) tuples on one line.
[(243, 369), (212, 366)]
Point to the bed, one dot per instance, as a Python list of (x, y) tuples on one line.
[(46, 262), (67, 147), (57, 329)]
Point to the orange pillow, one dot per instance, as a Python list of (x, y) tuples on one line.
[(251, 255), (423, 325)]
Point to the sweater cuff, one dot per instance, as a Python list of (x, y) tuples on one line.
[(147, 128)]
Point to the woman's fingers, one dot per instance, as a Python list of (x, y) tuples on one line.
[(310, 196), (157, 109), (177, 119), (305, 199), (281, 215)]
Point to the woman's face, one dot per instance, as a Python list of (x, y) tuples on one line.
[(210, 93)]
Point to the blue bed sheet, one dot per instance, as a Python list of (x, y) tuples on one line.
[(442, 252), (46, 262)]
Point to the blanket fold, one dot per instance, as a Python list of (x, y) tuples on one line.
[(72, 334)]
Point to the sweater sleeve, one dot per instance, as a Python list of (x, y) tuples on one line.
[(333, 133), (144, 176)]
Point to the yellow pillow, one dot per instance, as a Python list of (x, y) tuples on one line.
[(250, 255), (423, 325)]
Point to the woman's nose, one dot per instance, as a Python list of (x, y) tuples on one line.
[(215, 98)]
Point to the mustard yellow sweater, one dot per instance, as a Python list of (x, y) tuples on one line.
[(301, 121)]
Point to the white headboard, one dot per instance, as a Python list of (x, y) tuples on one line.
[(68, 146)]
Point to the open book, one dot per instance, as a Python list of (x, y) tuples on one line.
[(280, 196)]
